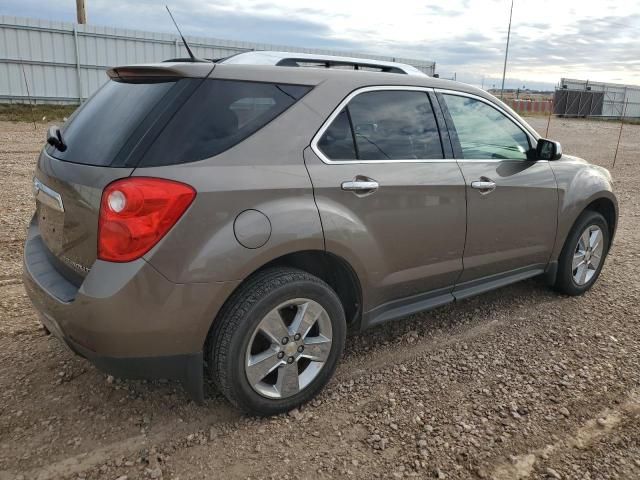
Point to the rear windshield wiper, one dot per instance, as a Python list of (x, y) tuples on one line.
[(54, 138)]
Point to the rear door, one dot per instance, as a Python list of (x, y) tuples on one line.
[(391, 204), (511, 197)]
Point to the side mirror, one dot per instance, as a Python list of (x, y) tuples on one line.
[(548, 150)]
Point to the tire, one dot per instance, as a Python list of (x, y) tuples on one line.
[(566, 281), (240, 334)]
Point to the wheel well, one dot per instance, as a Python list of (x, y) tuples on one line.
[(605, 207), (333, 270)]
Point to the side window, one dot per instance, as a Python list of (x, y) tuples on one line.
[(219, 115), (395, 125), (337, 141), (386, 125), (484, 132)]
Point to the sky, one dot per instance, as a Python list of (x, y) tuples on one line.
[(550, 39)]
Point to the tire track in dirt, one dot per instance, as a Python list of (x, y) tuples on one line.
[(602, 425)]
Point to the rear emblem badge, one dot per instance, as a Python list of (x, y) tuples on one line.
[(75, 265)]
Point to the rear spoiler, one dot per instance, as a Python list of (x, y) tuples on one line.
[(160, 71)]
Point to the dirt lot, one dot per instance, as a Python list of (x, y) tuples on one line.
[(518, 383)]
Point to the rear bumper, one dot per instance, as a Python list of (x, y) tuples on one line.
[(127, 319), (186, 368)]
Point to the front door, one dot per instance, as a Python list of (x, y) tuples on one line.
[(512, 198), (390, 203)]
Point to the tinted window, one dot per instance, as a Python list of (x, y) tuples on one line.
[(394, 125), (217, 116), (484, 132), (98, 130), (337, 141)]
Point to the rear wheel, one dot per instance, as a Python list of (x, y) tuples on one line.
[(277, 342), (583, 255)]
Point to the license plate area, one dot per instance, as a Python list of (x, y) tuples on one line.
[(51, 226)]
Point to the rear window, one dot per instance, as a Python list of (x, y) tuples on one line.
[(170, 122), (97, 131), (220, 114)]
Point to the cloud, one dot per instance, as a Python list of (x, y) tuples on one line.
[(550, 39)]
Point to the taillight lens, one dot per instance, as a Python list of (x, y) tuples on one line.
[(136, 212)]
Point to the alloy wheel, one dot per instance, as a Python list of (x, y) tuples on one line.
[(587, 255), (288, 348)]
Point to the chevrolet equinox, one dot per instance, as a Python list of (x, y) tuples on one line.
[(236, 218)]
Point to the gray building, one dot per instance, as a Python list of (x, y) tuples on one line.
[(65, 63), (584, 98)]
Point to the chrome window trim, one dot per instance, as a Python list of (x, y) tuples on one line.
[(532, 134), (341, 105)]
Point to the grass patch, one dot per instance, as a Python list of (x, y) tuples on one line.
[(29, 113)]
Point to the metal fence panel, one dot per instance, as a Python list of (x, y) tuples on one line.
[(66, 63), (616, 100)]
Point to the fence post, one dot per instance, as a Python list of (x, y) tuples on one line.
[(624, 112), (546, 135), (75, 43)]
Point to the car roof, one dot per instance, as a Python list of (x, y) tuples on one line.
[(285, 74), (350, 79), (339, 80)]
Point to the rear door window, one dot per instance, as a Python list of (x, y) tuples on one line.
[(220, 114), (386, 125)]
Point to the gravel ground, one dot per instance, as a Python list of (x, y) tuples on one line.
[(518, 383)]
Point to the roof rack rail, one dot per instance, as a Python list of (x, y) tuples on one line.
[(187, 60), (291, 59)]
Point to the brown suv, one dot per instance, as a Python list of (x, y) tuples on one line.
[(240, 218)]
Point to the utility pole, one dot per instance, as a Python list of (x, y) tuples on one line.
[(81, 12), (506, 52)]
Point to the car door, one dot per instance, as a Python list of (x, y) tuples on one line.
[(391, 204), (511, 197)]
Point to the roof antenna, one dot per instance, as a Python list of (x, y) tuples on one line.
[(191, 55)]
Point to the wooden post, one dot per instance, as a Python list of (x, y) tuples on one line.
[(81, 11)]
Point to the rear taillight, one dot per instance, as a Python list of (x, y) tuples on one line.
[(136, 212)]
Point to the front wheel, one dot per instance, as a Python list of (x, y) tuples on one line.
[(583, 254), (277, 342)]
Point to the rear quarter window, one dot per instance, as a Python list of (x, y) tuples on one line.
[(220, 114)]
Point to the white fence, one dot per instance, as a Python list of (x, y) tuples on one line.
[(66, 63)]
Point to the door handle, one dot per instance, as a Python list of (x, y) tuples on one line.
[(360, 186), (485, 185)]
